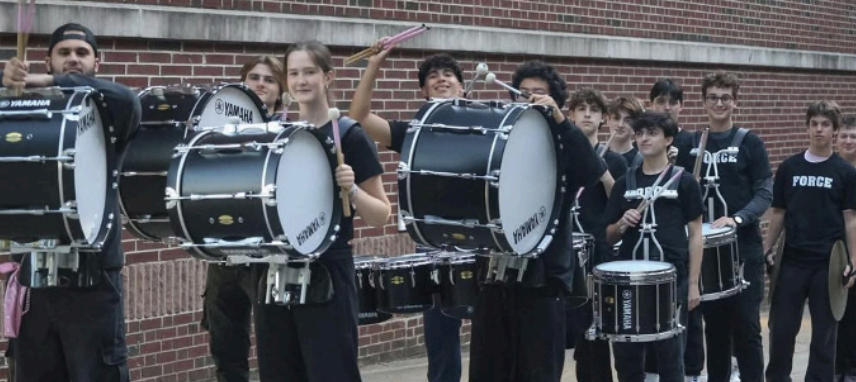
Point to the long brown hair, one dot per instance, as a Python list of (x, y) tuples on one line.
[(276, 68)]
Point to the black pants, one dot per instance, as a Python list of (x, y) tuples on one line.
[(846, 357), (593, 358), (74, 334), (312, 343), (630, 356), (786, 311), (735, 323), (443, 344), (230, 293), (518, 334), (694, 350)]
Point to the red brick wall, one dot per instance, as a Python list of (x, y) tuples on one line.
[(790, 24), (164, 285)]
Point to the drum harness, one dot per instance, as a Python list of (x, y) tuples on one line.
[(647, 230), (711, 176)]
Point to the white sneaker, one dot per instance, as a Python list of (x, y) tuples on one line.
[(696, 378), (735, 373), (652, 377)]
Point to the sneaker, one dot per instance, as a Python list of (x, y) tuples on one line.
[(735, 373), (696, 378), (652, 377)]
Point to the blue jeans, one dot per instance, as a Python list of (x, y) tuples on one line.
[(443, 343)]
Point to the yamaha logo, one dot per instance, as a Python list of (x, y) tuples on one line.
[(13, 137), (219, 106), (397, 280), (226, 220), (4, 103), (24, 103), (466, 275)]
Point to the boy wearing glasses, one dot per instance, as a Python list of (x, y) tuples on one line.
[(745, 183)]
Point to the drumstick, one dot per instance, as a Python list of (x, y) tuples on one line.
[(491, 77), (648, 202), (605, 147), (700, 157), (481, 70), (25, 23), (333, 113), (398, 38)]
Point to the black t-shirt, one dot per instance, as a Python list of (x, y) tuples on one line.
[(397, 131), (593, 203), (632, 157), (738, 173), (672, 216), (123, 107), (813, 195), (361, 154)]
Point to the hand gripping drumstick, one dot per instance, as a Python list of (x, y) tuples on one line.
[(396, 39), (481, 71), (648, 202), (702, 145), (25, 25), (333, 113), (491, 77)]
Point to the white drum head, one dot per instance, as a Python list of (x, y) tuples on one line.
[(229, 102), (90, 170), (305, 192), (527, 184), (633, 266), (707, 230)]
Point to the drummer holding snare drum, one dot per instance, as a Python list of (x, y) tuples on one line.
[(737, 190), (647, 301)]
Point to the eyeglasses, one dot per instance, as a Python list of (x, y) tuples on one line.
[(713, 100), (538, 91)]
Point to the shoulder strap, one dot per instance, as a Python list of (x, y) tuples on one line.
[(739, 136), (345, 125), (637, 161), (630, 178), (677, 183)]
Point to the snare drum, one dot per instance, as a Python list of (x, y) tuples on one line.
[(480, 176), (584, 252), (459, 287), (405, 284), (166, 113), (255, 190), (635, 301), (366, 290), (720, 266), (58, 166)]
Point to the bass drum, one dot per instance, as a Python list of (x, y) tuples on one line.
[(479, 176), (255, 190), (169, 115), (58, 167)]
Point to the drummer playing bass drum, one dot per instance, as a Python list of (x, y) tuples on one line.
[(677, 211)]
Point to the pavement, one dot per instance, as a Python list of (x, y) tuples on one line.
[(416, 369)]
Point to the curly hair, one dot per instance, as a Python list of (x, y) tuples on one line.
[(440, 61), (541, 70), (724, 80), (849, 122), (592, 97), (828, 109)]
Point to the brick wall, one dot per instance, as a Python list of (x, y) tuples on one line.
[(163, 304)]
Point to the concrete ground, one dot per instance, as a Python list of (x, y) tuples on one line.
[(416, 369)]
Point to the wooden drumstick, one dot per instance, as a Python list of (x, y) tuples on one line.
[(334, 113), (702, 145), (605, 147), (648, 202)]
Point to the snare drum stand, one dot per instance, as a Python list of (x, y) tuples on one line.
[(288, 285)]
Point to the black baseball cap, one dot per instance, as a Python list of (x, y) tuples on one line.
[(84, 34)]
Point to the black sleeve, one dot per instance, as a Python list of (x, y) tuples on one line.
[(849, 199), (616, 164), (760, 176), (397, 131), (582, 164), (361, 154), (690, 197), (615, 207), (685, 159), (123, 105), (779, 185)]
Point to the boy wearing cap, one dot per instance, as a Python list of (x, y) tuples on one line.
[(77, 334)]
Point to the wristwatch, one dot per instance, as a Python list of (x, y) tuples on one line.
[(738, 220)]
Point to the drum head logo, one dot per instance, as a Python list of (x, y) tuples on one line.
[(466, 275), (219, 106), (396, 280), (164, 107), (542, 213), (226, 220), (4, 103), (609, 300), (530, 225)]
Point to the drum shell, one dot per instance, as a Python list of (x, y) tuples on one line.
[(458, 286), (367, 295), (50, 184), (583, 248), (405, 287), (720, 267), (173, 108)]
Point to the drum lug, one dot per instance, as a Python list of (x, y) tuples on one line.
[(497, 223), (495, 174), (270, 191), (403, 170), (171, 198), (69, 153), (435, 276), (71, 206)]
